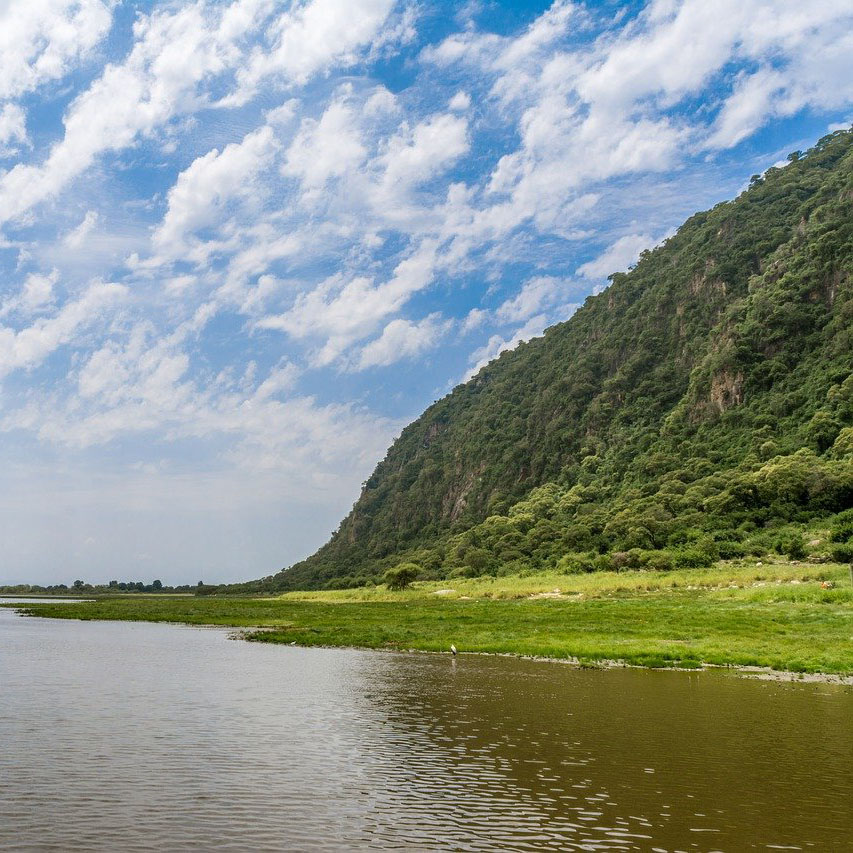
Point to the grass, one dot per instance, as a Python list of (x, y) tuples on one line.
[(775, 616)]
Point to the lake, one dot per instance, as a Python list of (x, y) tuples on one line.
[(133, 736)]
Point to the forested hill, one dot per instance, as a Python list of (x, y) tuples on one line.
[(700, 407)]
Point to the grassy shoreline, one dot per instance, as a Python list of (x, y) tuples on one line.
[(778, 617)]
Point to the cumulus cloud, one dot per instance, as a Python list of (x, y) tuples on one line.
[(403, 339), (498, 344), (13, 129), (176, 55), (75, 238), (535, 295), (324, 149), (617, 257), (29, 346), (344, 310), (414, 155), (36, 294), (142, 386), (41, 41), (201, 195), (308, 38), (460, 102)]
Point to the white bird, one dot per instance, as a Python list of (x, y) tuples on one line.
[(452, 649)]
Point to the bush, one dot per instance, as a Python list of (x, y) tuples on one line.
[(792, 544), (620, 560), (575, 564), (842, 553), (693, 558), (841, 532), (658, 560), (400, 576), (731, 550), (601, 563)]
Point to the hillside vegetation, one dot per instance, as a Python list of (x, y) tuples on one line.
[(700, 408)]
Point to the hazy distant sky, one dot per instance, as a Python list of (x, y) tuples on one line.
[(242, 244)]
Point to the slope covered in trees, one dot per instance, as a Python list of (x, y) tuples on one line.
[(701, 407)]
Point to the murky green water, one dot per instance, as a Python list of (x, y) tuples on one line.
[(122, 736)]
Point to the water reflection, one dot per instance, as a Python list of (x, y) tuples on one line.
[(124, 736), (630, 754)]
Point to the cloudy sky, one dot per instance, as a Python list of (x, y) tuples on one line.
[(243, 243)]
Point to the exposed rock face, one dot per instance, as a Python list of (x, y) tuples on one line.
[(456, 499), (726, 390)]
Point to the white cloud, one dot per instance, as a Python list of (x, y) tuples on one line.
[(13, 128), (403, 339), (41, 40), (28, 347), (417, 154), (344, 310), (36, 294), (618, 256), (324, 149), (839, 125), (589, 114), (460, 102), (175, 57), (172, 54), (535, 295), (474, 319), (498, 344), (76, 237), (202, 192), (308, 38), (143, 386)]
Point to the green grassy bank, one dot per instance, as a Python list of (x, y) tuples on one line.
[(777, 616)]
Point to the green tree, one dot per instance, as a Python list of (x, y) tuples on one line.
[(400, 576)]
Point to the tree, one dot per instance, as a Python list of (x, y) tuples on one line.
[(157, 585), (401, 575)]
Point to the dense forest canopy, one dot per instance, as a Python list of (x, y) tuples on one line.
[(700, 408)]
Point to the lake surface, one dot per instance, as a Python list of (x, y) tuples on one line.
[(125, 736)]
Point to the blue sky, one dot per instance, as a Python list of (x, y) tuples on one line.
[(243, 243)]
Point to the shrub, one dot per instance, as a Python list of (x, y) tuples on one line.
[(693, 558), (841, 532), (730, 550), (602, 563), (842, 553), (659, 560), (575, 564), (620, 560), (792, 544)]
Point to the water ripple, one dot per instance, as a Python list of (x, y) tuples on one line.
[(149, 737)]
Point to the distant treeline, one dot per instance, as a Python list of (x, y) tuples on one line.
[(112, 587)]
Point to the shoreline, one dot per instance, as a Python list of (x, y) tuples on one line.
[(779, 622), (756, 673), (252, 634)]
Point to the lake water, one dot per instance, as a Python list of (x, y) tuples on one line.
[(123, 736)]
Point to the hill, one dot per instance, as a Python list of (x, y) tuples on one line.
[(700, 408)]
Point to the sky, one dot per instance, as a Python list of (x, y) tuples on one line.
[(243, 243)]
